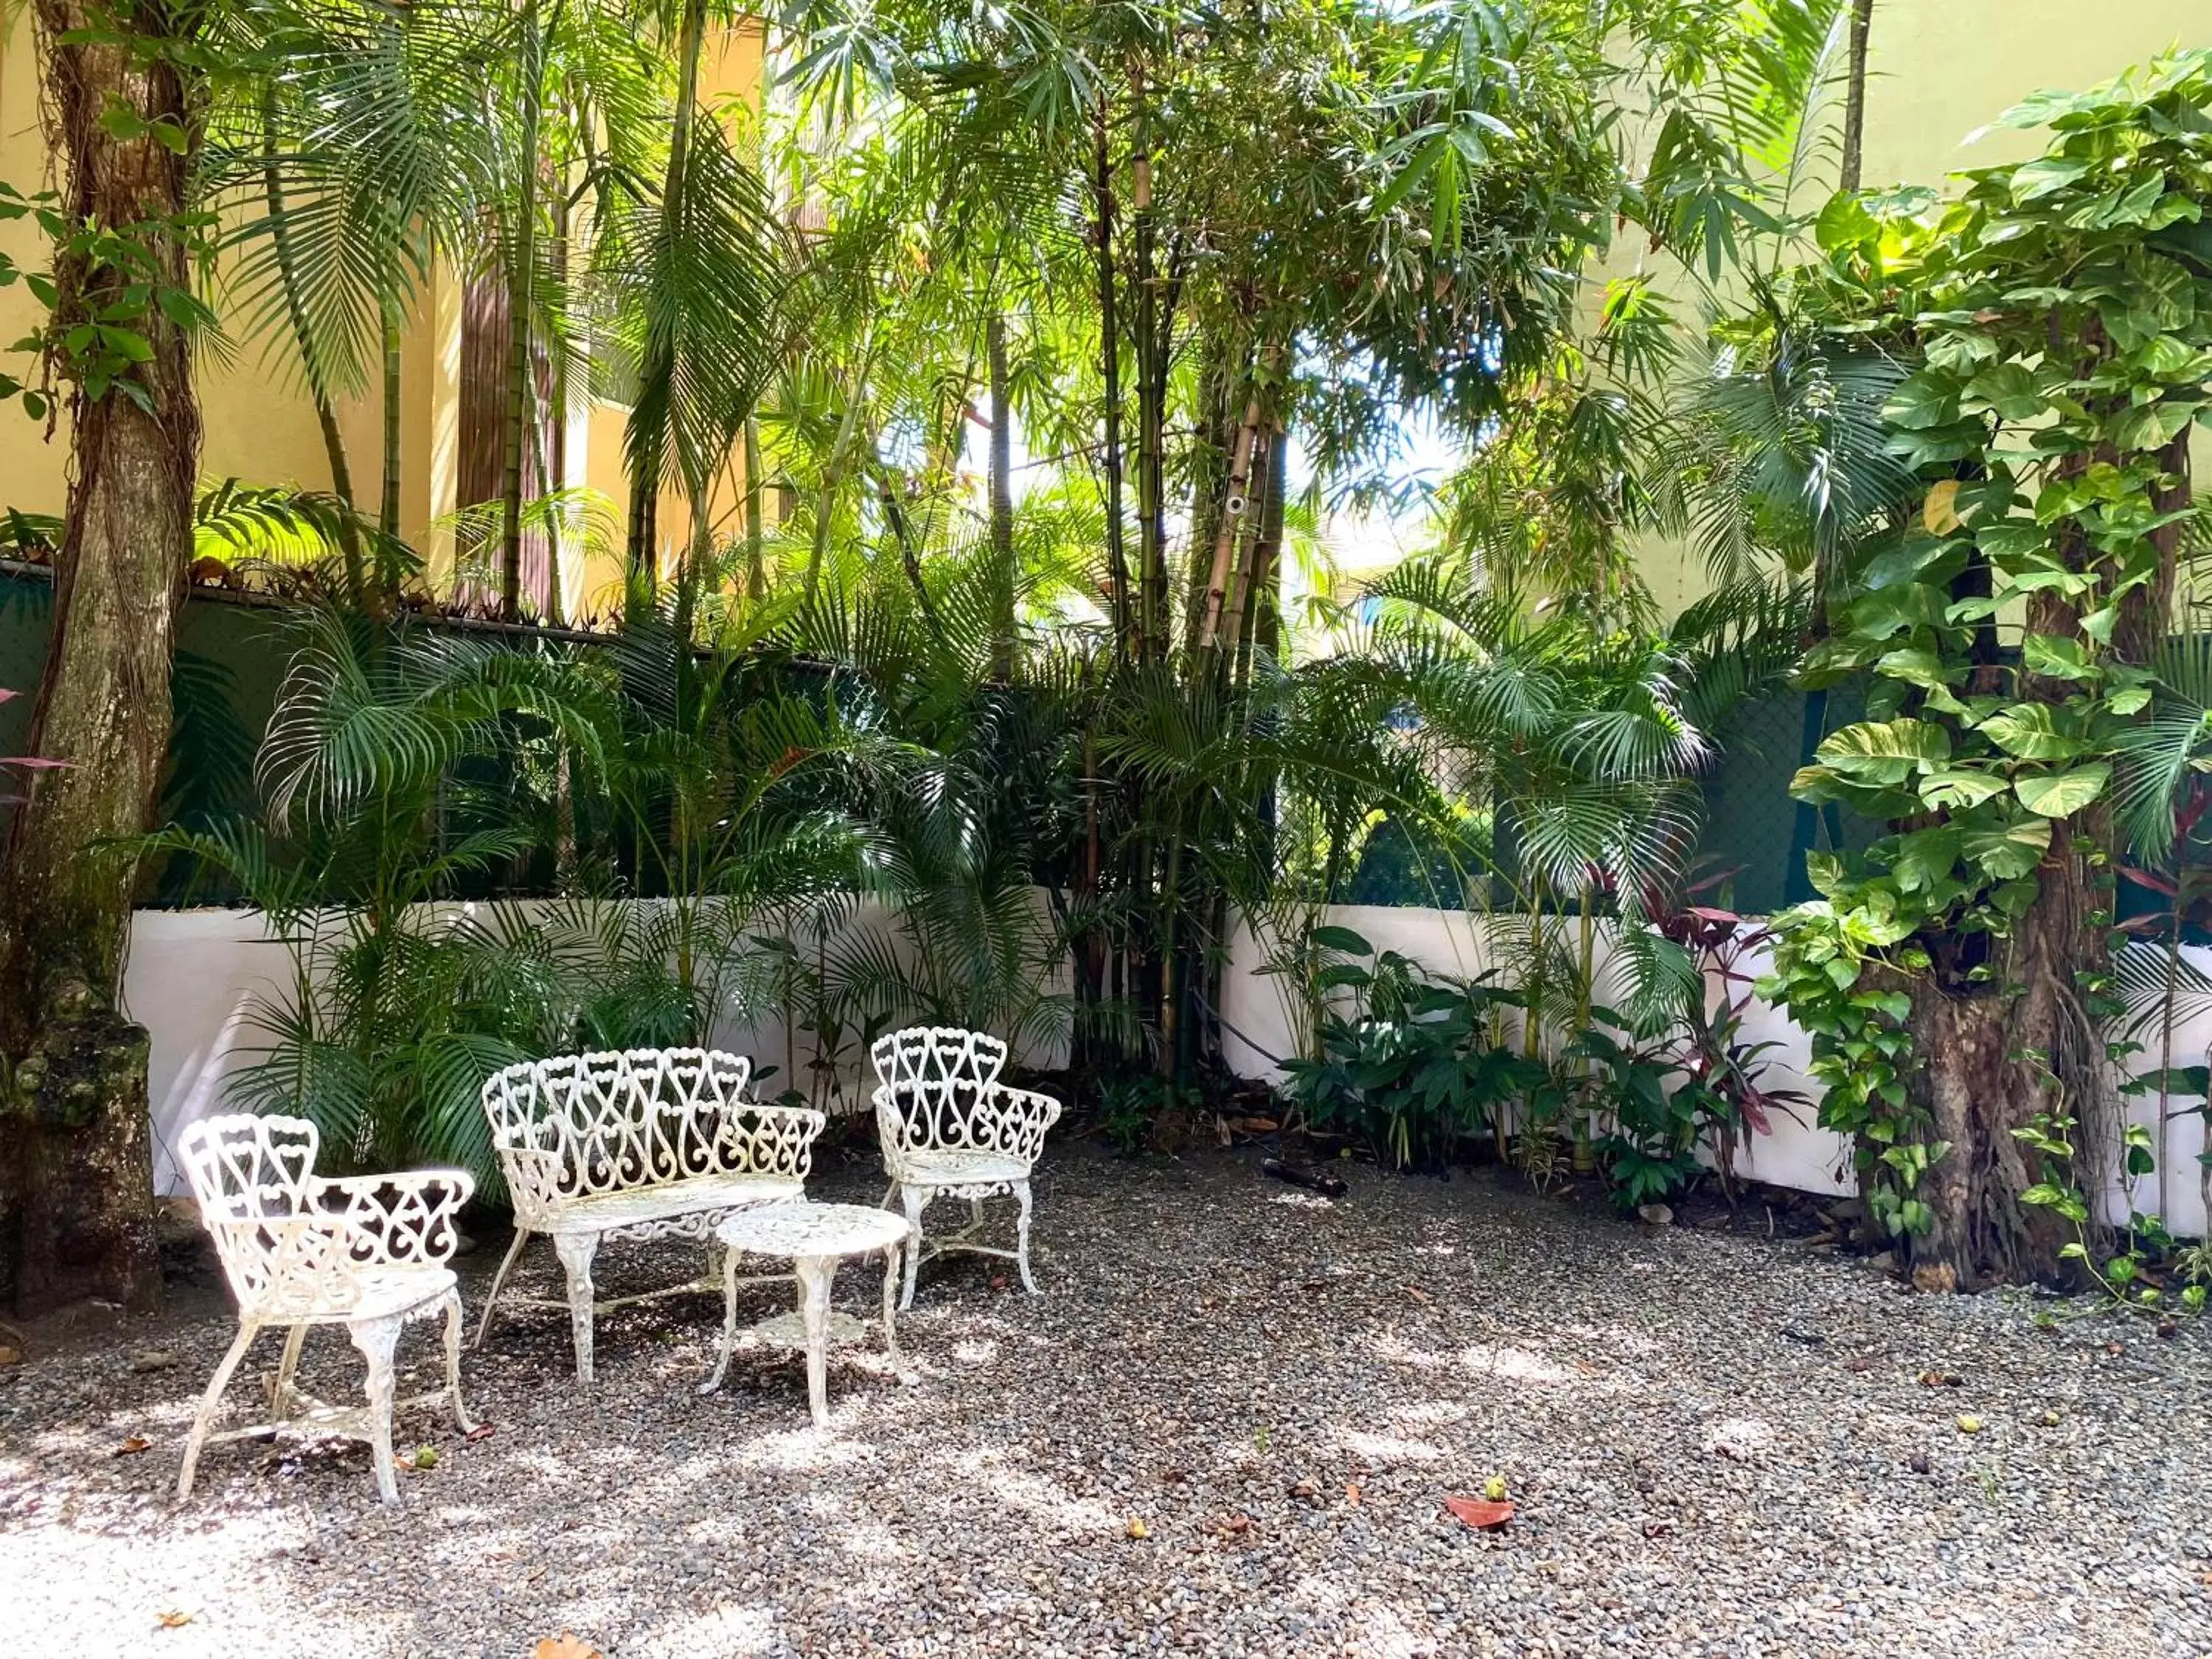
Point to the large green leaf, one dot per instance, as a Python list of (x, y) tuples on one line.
[(2062, 794), (2010, 851)]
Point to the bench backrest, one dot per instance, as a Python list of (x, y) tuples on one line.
[(642, 1118)]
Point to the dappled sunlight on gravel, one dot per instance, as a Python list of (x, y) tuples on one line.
[(1714, 1442)]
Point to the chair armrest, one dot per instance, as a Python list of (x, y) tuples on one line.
[(1019, 1119), (404, 1219), (768, 1140), (533, 1177)]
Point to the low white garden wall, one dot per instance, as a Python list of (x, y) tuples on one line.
[(1796, 1154), (193, 975)]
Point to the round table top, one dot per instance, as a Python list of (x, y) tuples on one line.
[(800, 1227)]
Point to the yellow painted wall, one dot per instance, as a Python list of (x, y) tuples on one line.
[(1939, 69), (259, 423)]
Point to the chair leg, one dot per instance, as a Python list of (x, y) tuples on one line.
[(916, 1200), (281, 1397), (499, 1283), (376, 1339), (1022, 1238), (211, 1403), (576, 1251), (455, 1318)]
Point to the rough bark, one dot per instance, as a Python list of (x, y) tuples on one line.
[(77, 1218)]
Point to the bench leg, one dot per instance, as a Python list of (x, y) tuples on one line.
[(499, 1283), (210, 1403), (729, 1321), (282, 1397), (576, 1251)]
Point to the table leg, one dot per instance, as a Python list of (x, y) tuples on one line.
[(890, 1304), (814, 1273), (729, 1321)]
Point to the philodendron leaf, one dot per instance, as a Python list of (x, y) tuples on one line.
[(1886, 751), (1954, 788), (2056, 657), (2010, 851), (2062, 794)]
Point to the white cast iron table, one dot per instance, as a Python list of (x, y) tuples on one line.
[(815, 1238)]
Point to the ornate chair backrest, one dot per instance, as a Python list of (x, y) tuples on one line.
[(254, 1179), (938, 1053), (944, 1114), (639, 1118)]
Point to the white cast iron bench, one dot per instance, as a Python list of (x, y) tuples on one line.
[(948, 1128), (651, 1143), (369, 1253)]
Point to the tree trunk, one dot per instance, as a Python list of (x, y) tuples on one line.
[(756, 548), (388, 513), (1992, 1057), (1002, 502), (1109, 363), (651, 415), (522, 289), (77, 1218), (1855, 82)]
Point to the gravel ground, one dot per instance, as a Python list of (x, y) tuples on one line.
[(1719, 1446)]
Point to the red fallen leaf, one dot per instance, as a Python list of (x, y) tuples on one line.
[(1483, 1514), (481, 1432), (137, 1443)]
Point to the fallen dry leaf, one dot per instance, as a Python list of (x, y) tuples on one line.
[(173, 1618), (137, 1443), (481, 1432), (1420, 1295), (1969, 1423), (1481, 1513), (1137, 1528), (566, 1645), (1351, 1492), (1237, 1524), (1942, 1380)]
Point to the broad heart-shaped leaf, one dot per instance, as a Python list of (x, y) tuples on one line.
[(1844, 222), (1885, 751), (2011, 851), (2013, 538), (2007, 388), (2152, 426), (1925, 400), (2033, 730), (2040, 178), (2062, 794), (1953, 787), (1925, 857), (1916, 666), (2057, 658)]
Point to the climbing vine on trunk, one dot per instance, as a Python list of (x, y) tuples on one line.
[(2058, 316)]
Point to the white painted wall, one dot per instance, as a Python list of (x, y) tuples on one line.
[(194, 976)]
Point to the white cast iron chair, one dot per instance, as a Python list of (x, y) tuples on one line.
[(369, 1253), (649, 1142), (950, 1130)]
